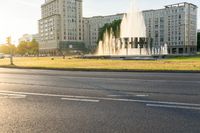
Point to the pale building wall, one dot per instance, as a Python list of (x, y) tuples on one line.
[(61, 22), (36, 37), (92, 26), (29, 37), (174, 25), (26, 37)]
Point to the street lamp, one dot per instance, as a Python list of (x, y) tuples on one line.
[(8, 40)]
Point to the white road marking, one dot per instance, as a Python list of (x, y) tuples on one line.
[(116, 95), (141, 95), (173, 106), (14, 96), (103, 98), (81, 100), (9, 97)]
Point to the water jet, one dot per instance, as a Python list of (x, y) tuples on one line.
[(132, 41)]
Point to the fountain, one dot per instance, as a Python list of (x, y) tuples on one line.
[(132, 41)]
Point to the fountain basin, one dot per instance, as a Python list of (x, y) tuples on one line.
[(124, 57)]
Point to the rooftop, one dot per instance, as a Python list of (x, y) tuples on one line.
[(179, 4), (167, 6), (172, 5), (118, 14)]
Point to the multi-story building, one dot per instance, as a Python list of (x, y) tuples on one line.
[(36, 37), (174, 25), (26, 37), (61, 25), (92, 26), (29, 37)]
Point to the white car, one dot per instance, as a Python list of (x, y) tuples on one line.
[(1, 56), (6, 55)]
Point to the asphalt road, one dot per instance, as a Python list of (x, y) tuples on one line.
[(44, 101)]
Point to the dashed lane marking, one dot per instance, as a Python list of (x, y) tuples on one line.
[(173, 106), (97, 99), (142, 95), (81, 100), (11, 96), (138, 95)]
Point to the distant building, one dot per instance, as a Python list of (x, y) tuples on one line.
[(36, 37), (26, 37), (61, 26), (198, 30), (92, 26), (29, 37), (174, 25)]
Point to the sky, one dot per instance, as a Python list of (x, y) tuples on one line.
[(18, 17)]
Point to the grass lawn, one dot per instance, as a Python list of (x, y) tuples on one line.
[(175, 63)]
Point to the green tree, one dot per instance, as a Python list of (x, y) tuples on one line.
[(4, 49), (198, 41), (28, 48), (33, 47), (22, 48), (7, 49), (115, 26)]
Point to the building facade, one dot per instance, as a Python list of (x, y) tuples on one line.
[(174, 25), (61, 24), (36, 37), (92, 25), (63, 27), (29, 37), (26, 38)]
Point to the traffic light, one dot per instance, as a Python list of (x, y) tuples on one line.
[(8, 40)]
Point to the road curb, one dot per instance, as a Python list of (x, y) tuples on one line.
[(103, 70)]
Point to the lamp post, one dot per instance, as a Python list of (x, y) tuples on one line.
[(11, 50)]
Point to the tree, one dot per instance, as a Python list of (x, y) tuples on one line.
[(8, 40), (33, 47), (22, 48), (28, 48), (198, 41), (6, 49), (115, 26)]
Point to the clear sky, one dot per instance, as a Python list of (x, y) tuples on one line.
[(20, 16)]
